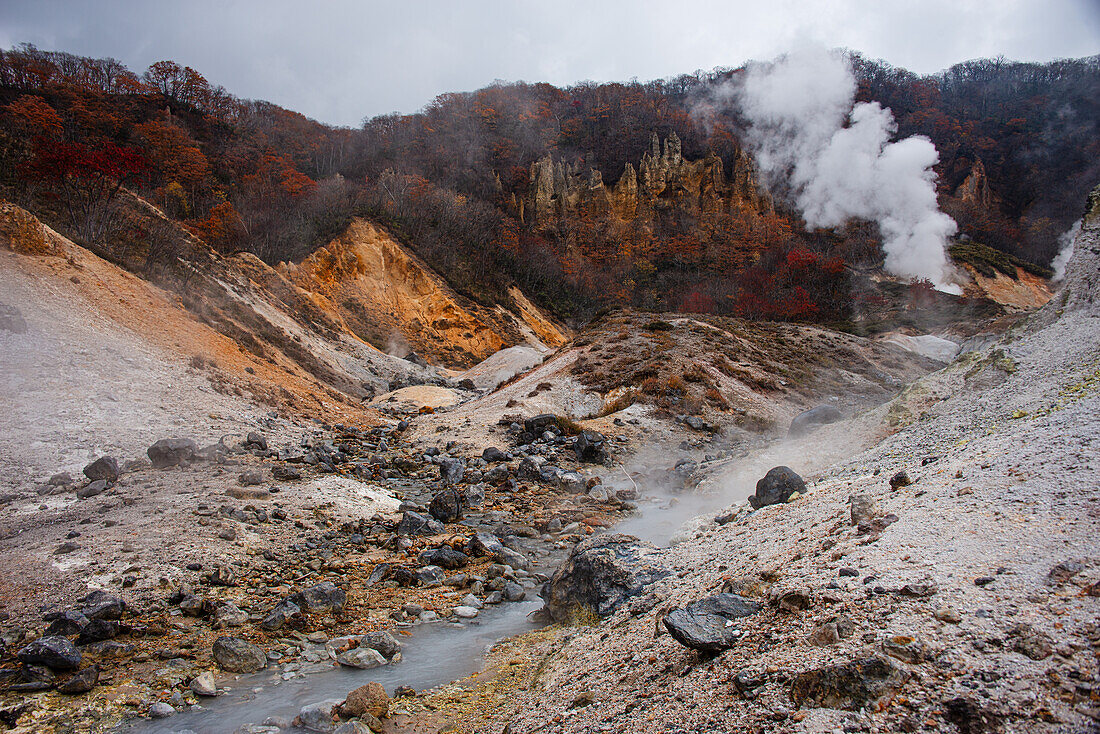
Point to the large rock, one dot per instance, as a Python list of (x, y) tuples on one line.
[(280, 615), (451, 471), (369, 699), (171, 451), (706, 624), (445, 557), (322, 597), (601, 573), (381, 641), (105, 467), (484, 544), (850, 685), (446, 506), (238, 656), (57, 653), (81, 682), (317, 716), (589, 447), (413, 523), (776, 487), (100, 604), (809, 421), (363, 658)]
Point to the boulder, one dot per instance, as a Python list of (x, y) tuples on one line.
[(413, 523), (91, 489), (204, 685), (81, 682), (171, 451), (540, 423), (706, 624), (65, 623), (451, 471), (105, 467), (484, 544), (776, 487), (369, 699), (381, 641), (446, 506), (323, 597), (318, 717), (589, 447), (100, 604), (601, 573), (430, 576), (363, 658), (445, 557), (809, 421), (849, 686), (229, 614), (279, 616), (255, 440), (493, 455), (55, 652), (237, 655)]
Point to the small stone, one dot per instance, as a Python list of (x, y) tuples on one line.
[(91, 489), (250, 478), (949, 615), (465, 612), (825, 634), (317, 717), (899, 480)]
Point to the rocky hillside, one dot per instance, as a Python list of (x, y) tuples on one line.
[(945, 579)]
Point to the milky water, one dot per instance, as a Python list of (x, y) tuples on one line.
[(435, 654)]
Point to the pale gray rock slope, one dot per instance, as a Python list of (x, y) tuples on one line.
[(978, 582)]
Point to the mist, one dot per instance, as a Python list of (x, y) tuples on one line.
[(1065, 241), (835, 159)]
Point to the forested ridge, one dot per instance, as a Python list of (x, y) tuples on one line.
[(1018, 142)]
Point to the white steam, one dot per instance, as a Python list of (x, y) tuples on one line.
[(839, 163), (1058, 264)]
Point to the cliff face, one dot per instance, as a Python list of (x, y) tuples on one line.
[(386, 296), (663, 181)]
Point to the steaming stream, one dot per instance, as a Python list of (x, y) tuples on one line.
[(436, 653)]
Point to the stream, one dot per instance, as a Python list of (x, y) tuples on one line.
[(435, 654)]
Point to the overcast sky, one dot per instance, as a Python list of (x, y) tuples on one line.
[(343, 60)]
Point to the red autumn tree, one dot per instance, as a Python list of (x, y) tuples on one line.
[(86, 180)]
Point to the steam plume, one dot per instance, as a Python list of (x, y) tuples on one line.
[(1058, 264), (838, 162)]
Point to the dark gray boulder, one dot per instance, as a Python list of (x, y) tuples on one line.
[(589, 447), (484, 544), (105, 467), (809, 421), (55, 652), (91, 489), (849, 686), (493, 454), (238, 656), (280, 615), (413, 523), (65, 623), (322, 597), (704, 624), (601, 574), (444, 557), (81, 682), (776, 487), (446, 506), (451, 471), (100, 604), (540, 423), (171, 451)]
